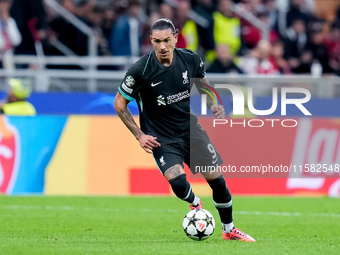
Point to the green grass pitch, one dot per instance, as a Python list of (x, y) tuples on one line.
[(153, 225)]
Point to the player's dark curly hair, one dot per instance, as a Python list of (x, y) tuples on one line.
[(163, 24)]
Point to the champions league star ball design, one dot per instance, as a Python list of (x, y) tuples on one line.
[(199, 224)]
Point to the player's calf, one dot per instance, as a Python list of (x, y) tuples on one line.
[(182, 189), (222, 200)]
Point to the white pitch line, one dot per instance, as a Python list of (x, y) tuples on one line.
[(147, 210), (289, 214)]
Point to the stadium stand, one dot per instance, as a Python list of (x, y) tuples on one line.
[(71, 40)]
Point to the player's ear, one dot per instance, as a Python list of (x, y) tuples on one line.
[(151, 38), (176, 37)]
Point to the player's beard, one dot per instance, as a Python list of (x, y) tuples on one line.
[(165, 59)]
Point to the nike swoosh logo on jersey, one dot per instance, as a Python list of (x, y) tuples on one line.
[(155, 84)]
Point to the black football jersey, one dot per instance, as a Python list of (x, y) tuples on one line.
[(163, 93)]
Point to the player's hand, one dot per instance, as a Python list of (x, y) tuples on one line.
[(148, 142), (218, 111)]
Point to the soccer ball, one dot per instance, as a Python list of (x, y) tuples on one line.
[(199, 224)]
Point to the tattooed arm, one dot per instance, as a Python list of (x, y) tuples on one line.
[(147, 142)]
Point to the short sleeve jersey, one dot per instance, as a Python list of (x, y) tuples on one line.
[(163, 93)]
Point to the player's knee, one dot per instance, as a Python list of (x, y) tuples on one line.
[(221, 193), (180, 186), (173, 172)]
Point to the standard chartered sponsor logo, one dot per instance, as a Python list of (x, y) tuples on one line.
[(160, 100), (178, 97), (173, 98)]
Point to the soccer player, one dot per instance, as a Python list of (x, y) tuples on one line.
[(159, 82)]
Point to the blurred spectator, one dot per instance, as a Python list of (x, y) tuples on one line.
[(95, 18), (149, 7), (277, 58), (297, 10), (296, 47), (258, 61), (251, 6), (15, 102), (73, 38), (28, 12), (206, 8), (92, 15), (64, 30), (166, 11), (108, 22), (126, 35), (119, 7), (186, 26), (83, 11), (227, 27), (224, 63), (83, 8), (319, 50), (273, 17), (9, 35), (333, 45), (251, 35)]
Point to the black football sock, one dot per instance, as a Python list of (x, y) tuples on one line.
[(182, 188), (222, 199)]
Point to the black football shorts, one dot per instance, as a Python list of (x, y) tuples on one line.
[(197, 152)]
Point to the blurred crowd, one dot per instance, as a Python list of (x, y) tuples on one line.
[(298, 41)]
